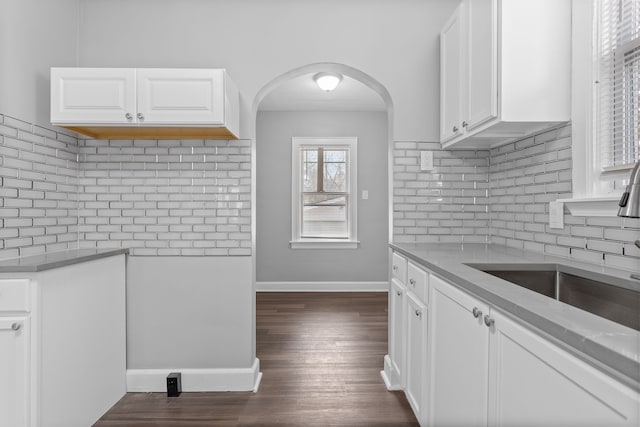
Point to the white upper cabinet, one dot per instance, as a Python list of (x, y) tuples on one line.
[(145, 102), (505, 71)]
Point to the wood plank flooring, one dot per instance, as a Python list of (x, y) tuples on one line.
[(321, 356)]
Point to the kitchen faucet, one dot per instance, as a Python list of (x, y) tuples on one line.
[(630, 201)]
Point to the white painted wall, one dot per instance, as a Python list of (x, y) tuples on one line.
[(35, 35), (395, 42), (189, 312), (276, 261)]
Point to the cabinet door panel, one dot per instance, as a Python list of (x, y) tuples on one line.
[(482, 61), (451, 83), (180, 96), (533, 382), (93, 95), (397, 329), (14, 372), (457, 357), (416, 350)]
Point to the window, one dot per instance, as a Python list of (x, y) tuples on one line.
[(618, 83), (605, 102), (324, 192)]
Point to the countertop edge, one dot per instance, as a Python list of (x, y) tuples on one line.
[(616, 365), (38, 263)]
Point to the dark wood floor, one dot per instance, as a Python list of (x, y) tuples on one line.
[(321, 356)]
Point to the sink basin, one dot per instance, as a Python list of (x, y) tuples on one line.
[(616, 303)]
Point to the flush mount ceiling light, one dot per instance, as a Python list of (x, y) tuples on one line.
[(327, 81)]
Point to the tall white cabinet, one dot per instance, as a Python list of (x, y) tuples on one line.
[(505, 71)]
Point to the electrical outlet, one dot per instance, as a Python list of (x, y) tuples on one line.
[(556, 215), (426, 160)]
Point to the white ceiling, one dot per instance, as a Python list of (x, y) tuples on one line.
[(302, 94)]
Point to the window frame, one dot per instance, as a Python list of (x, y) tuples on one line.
[(297, 145), (593, 193)]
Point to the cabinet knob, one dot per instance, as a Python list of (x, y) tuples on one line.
[(412, 282), (489, 321), (476, 312), (16, 326), (140, 116), (464, 124), (395, 267), (399, 293), (418, 313), (455, 128), (128, 116)]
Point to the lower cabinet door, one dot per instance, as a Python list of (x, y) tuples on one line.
[(457, 357), (14, 371), (533, 382), (416, 350), (397, 329)]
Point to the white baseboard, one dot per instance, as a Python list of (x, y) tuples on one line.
[(155, 380), (389, 376), (322, 286)]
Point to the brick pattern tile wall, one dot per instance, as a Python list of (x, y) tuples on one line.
[(38, 191), (524, 176), (166, 197), (448, 204)]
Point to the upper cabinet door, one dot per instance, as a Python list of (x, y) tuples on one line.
[(481, 89), (451, 54), (181, 96), (93, 95)]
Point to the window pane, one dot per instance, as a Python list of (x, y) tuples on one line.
[(335, 171), (325, 216), (309, 170)]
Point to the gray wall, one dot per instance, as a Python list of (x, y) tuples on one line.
[(276, 261), (34, 36)]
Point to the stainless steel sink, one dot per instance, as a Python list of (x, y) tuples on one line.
[(617, 303)]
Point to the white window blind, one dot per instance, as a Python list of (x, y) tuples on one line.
[(618, 88)]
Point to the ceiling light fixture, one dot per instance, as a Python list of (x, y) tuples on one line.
[(327, 81)]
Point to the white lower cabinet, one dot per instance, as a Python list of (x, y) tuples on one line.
[(14, 370), (416, 349), (457, 357), (397, 326), (487, 369), (533, 382), (62, 344)]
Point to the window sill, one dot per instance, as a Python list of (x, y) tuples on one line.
[(593, 206), (324, 244)]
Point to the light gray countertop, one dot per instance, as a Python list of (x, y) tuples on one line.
[(607, 345), (32, 264)]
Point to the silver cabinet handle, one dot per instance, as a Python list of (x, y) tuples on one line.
[(476, 312), (395, 267), (398, 293), (412, 282), (489, 321), (140, 116), (418, 313), (128, 116), (464, 124), (16, 326), (455, 128)]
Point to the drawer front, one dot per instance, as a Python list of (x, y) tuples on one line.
[(417, 282), (14, 295), (399, 268)]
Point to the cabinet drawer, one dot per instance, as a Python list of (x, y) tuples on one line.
[(417, 282), (399, 268), (14, 295)]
